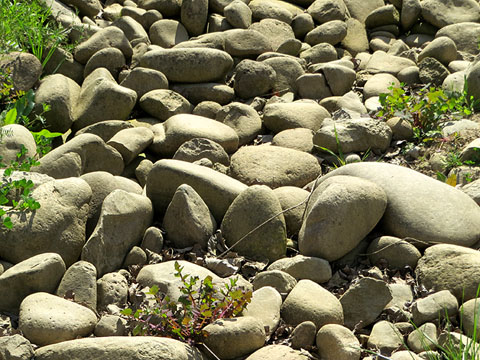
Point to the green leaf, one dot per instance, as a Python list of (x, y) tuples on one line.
[(126, 312), (7, 222), (11, 117), (45, 133)]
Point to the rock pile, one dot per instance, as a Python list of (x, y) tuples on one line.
[(188, 117)]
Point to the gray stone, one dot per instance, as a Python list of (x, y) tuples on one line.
[(265, 306), (143, 80), (105, 129), (381, 62), (303, 335), (464, 34), (135, 257), (196, 93), (356, 40), (163, 104), (243, 119), (319, 53), (40, 273), (112, 289), (71, 320), (167, 33), (57, 226), (423, 338), (277, 352), (434, 307), (408, 212), (364, 301), (123, 220), (379, 84), (12, 138), (361, 9), (251, 208), (275, 31), (327, 10), (304, 267), (111, 59), (302, 305), (287, 69), (80, 283), (193, 15), (313, 86), (24, 68), (441, 13), (189, 65), (109, 348), (397, 252), (335, 341), (15, 347), (279, 280), (216, 189), (411, 9), (385, 338), (298, 139), (188, 220), (253, 78), (246, 43), (199, 148), (110, 325), (238, 14), (302, 24), (131, 142), (431, 71), (266, 9), (385, 15), (293, 198), (442, 48), (273, 166)]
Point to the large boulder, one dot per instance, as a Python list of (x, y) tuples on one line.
[(417, 203), (335, 222), (441, 13), (57, 226), (465, 35)]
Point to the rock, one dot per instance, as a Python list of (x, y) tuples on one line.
[(327, 10), (188, 220), (381, 62), (434, 307), (340, 78), (123, 220), (273, 166), (277, 352), (411, 9), (193, 65), (218, 23), (398, 253), (360, 10), (105, 129), (74, 158), (196, 93), (110, 325), (101, 98), (473, 80), (464, 34), (57, 226), (88, 8), (168, 8), (442, 48), (143, 80), (243, 119), (431, 71), (133, 28), (265, 306), (380, 84), (290, 196), (302, 304), (253, 78), (287, 69), (265, 9), (163, 104), (246, 43), (364, 301), (207, 109), (15, 347), (231, 338), (154, 348), (80, 283), (279, 280), (320, 53), (405, 355), (441, 13), (276, 31), (412, 198), (102, 184), (462, 283), (251, 208), (167, 33), (304, 267), (216, 189), (193, 14), (35, 274), (356, 39), (71, 320), (199, 148), (108, 37), (111, 59), (135, 257), (24, 68), (335, 341), (469, 315), (131, 142), (298, 139), (184, 127), (349, 103), (385, 338), (61, 93), (473, 190), (313, 86), (327, 211), (331, 32), (354, 135), (238, 14), (401, 128), (423, 338), (112, 289), (281, 116), (302, 24), (12, 138), (401, 293), (303, 335), (385, 15)]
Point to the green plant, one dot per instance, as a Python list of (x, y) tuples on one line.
[(200, 304), (26, 26), (21, 199), (426, 108)]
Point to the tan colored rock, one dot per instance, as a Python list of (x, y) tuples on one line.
[(335, 341)]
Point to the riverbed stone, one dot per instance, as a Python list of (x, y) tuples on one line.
[(80, 279), (304, 267), (164, 103), (441, 13), (335, 341)]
